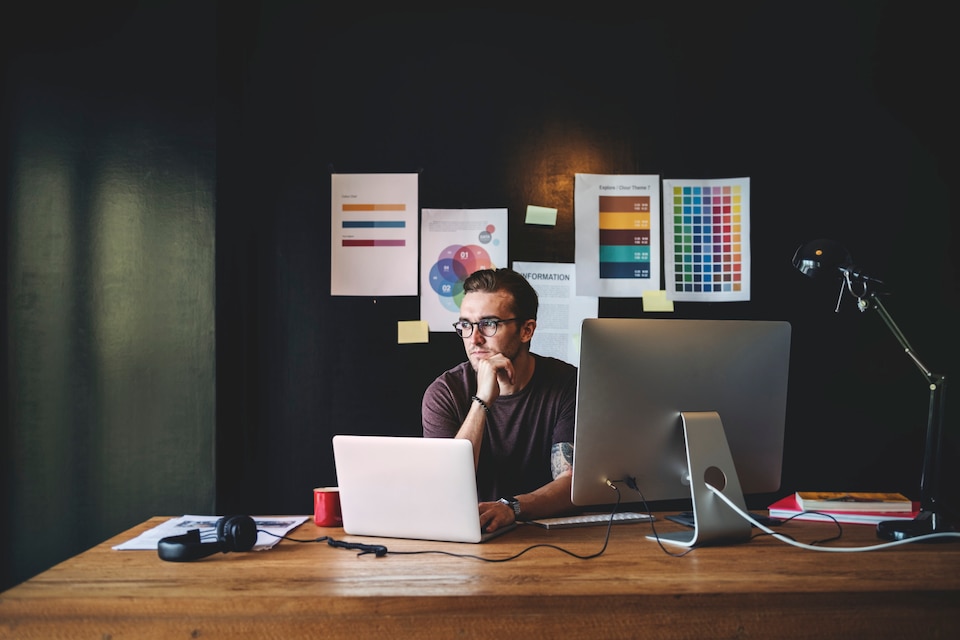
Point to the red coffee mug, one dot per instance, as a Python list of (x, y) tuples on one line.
[(326, 507)]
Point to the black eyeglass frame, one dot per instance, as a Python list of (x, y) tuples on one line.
[(460, 326)]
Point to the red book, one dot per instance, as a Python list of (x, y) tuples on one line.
[(788, 507)]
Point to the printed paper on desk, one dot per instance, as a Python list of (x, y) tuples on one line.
[(147, 541)]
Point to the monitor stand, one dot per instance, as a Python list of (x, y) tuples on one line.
[(709, 462)]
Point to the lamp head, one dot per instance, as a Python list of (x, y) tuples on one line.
[(822, 258)]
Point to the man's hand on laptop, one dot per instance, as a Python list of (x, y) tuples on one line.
[(494, 515)]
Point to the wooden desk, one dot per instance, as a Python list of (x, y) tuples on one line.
[(761, 589)]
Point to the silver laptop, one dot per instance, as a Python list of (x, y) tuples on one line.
[(406, 487)]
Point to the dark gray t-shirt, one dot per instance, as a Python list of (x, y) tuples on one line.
[(521, 428)]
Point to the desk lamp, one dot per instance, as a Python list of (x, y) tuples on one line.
[(827, 258)]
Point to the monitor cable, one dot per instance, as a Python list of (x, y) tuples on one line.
[(632, 483)]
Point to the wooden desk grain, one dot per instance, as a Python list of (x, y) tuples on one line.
[(760, 589)]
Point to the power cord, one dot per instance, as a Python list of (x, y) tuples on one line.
[(632, 483), (875, 547)]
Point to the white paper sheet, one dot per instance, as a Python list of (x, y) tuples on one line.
[(373, 234), (147, 541), (457, 242), (561, 311)]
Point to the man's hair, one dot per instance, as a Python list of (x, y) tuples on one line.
[(525, 301)]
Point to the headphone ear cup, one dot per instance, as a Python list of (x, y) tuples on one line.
[(182, 548), (236, 533)]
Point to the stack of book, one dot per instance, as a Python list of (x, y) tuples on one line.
[(845, 507)]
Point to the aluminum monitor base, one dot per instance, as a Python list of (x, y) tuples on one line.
[(709, 462)]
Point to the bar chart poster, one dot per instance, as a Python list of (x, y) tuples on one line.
[(707, 239), (374, 234), (618, 235)]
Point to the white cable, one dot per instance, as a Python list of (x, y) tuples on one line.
[(875, 547)]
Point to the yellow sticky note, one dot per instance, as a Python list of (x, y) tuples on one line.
[(412, 331), (656, 301), (541, 215)]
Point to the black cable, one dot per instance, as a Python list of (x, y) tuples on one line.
[(591, 556), (632, 483), (826, 515), (277, 535), (381, 551), (377, 549)]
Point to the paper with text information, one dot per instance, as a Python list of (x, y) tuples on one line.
[(561, 310)]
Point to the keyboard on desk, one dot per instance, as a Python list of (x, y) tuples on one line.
[(592, 519)]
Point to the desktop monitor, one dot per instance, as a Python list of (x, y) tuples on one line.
[(659, 398)]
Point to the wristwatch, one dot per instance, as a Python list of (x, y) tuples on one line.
[(514, 504)]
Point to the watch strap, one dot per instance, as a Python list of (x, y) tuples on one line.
[(513, 503)]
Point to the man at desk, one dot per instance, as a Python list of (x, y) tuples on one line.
[(517, 408)]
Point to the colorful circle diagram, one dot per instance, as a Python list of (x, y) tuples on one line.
[(454, 264)]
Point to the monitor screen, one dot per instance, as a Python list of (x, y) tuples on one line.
[(636, 376)]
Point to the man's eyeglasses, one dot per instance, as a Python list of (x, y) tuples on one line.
[(488, 327)]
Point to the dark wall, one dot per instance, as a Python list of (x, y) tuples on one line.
[(108, 258), (835, 113), (838, 112)]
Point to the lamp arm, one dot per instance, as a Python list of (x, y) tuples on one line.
[(931, 377), (930, 475)]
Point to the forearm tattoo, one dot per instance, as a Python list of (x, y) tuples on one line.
[(561, 459)]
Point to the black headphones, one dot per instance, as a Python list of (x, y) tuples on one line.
[(234, 533)]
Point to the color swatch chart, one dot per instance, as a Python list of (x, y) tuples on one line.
[(624, 236), (707, 241)]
